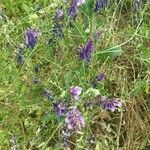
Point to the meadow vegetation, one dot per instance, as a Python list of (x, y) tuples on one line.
[(74, 75)]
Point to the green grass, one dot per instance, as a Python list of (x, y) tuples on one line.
[(122, 52)]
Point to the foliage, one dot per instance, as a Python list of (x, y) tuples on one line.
[(30, 96)]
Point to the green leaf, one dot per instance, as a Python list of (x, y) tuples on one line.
[(110, 52)]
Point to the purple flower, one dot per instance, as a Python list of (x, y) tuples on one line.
[(110, 104), (74, 120), (80, 2), (100, 4), (74, 8), (75, 91), (101, 77), (60, 108), (86, 51), (59, 14), (73, 11), (31, 38)]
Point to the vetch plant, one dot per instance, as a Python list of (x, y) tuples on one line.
[(85, 52), (73, 11), (51, 90), (60, 108), (100, 4), (101, 76), (109, 103), (74, 120), (59, 14), (74, 8), (31, 37)]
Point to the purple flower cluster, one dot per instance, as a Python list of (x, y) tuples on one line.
[(86, 51), (75, 91), (101, 76), (73, 11), (74, 120), (74, 8), (109, 104), (100, 4), (31, 37), (60, 108)]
